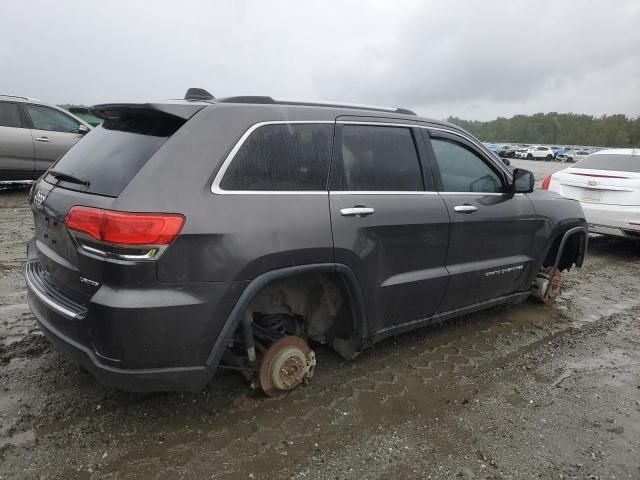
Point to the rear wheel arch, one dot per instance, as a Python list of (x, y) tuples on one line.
[(297, 281)]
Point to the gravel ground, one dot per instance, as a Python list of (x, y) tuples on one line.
[(525, 391)]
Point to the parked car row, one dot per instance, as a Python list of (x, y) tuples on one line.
[(567, 154)]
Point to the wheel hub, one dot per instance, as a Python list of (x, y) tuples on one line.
[(286, 364)]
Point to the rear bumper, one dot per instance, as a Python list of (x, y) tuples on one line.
[(155, 337), (620, 221), (134, 380)]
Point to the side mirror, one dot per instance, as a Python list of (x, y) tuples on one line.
[(506, 161), (523, 181), (83, 129)]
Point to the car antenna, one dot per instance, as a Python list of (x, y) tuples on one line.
[(198, 94)]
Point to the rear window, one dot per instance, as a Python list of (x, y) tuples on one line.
[(282, 157), (109, 156), (605, 161)]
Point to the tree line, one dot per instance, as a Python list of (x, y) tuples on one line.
[(557, 129)]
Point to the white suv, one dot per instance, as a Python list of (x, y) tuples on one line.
[(539, 153)]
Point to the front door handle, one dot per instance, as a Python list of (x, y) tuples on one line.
[(357, 211), (465, 208), (42, 139)]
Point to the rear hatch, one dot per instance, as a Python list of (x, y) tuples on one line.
[(93, 173), (609, 179)]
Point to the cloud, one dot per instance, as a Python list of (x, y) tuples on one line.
[(464, 58), (504, 53)]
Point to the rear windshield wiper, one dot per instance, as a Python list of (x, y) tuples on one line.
[(66, 177)]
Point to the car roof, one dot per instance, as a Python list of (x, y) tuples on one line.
[(18, 98), (283, 109), (265, 100), (302, 110)]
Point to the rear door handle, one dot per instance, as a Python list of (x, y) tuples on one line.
[(42, 139), (465, 208), (357, 211)]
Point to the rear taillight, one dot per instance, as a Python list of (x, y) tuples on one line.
[(546, 182), (123, 228)]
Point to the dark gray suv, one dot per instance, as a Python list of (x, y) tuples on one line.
[(182, 237)]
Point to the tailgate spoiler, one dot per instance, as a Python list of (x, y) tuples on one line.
[(181, 110)]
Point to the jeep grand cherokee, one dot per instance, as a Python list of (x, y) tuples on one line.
[(182, 237)]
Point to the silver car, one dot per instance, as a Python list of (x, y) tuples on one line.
[(33, 135), (573, 155)]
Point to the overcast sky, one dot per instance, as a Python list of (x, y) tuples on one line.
[(473, 59)]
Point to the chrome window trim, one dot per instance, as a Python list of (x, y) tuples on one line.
[(497, 194), (379, 124), (381, 192), (215, 186), (216, 189)]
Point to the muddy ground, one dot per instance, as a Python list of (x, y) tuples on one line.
[(525, 391)]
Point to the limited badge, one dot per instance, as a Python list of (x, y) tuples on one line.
[(38, 199)]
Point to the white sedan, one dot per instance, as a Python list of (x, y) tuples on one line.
[(607, 184)]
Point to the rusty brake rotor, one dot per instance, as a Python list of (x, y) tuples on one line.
[(286, 364), (555, 281)]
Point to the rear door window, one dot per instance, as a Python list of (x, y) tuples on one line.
[(282, 157), (606, 161), (376, 158), (106, 159), (9, 115)]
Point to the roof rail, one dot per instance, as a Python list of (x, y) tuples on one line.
[(14, 96), (263, 100)]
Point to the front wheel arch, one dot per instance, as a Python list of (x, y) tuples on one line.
[(567, 249)]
